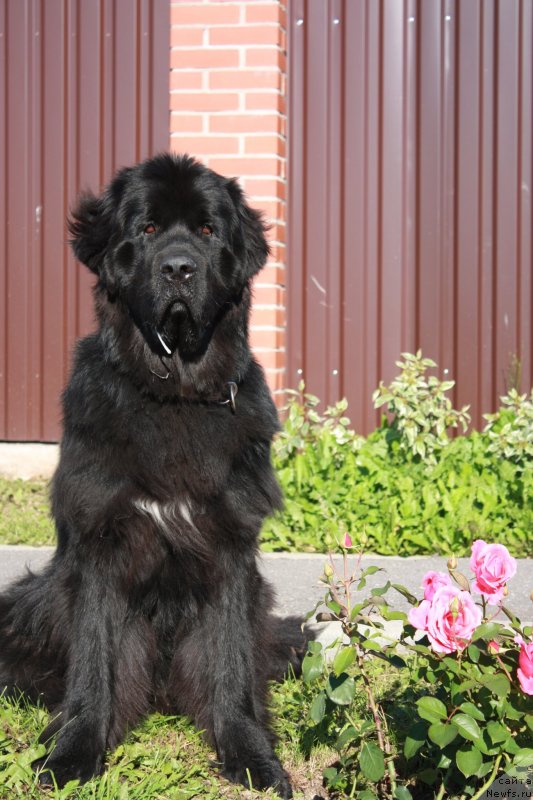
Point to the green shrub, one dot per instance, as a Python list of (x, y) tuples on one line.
[(399, 501), (422, 414), (510, 430)]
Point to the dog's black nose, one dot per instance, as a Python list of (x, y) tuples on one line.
[(178, 268)]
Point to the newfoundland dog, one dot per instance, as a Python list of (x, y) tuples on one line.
[(153, 599)]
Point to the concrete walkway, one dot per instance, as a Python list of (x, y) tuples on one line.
[(296, 578)]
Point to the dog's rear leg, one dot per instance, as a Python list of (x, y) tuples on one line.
[(32, 640)]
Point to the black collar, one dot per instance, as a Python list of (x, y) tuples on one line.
[(227, 397)]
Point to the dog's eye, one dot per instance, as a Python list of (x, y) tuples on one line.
[(150, 228), (205, 230)]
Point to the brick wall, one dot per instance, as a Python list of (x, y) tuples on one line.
[(227, 100)]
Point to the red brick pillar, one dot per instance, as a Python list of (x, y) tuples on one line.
[(227, 100)]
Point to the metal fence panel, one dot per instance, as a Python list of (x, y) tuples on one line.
[(83, 90), (410, 217)]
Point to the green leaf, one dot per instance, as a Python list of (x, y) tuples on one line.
[(414, 740), (431, 709), (372, 762), (488, 630), (443, 762), (330, 775), (406, 593), (497, 683), (402, 793), (474, 653), (472, 711), (524, 758), (469, 760), (312, 614), (467, 727), (370, 644), (411, 747), (333, 606), (341, 689), (343, 659), (497, 732), (513, 708), (451, 664), (442, 734), (428, 775), (312, 666), (379, 592), (318, 708), (346, 736), (356, 609), (370, 571), (393, 615)]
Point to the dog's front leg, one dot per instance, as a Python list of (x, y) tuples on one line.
[(81, 728), (244, 744)]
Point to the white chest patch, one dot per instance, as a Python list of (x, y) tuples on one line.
[(166, 515)]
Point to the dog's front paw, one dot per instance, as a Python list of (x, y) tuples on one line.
[(67, 766), (266, 774)]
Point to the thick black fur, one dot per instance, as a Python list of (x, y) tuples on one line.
[(153, 599)]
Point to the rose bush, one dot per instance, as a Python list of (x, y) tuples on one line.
[(470, 698)]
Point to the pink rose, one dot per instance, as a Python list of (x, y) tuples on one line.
[(525, 665), (418, 616), (449, 619), (433, 581), (492, 566)]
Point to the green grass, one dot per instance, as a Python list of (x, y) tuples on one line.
[(164, 758), (25, 513)]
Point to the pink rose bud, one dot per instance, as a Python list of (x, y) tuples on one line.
[(493, 647), (525, 665), (493, 567), (347, 542), (433, 581), (449, 619)]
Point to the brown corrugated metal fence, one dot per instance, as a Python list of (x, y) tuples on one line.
[(84, 88), (410, 195)]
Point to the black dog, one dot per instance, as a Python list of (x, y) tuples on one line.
[(153, 599)]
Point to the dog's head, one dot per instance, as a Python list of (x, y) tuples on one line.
[(173, 242)]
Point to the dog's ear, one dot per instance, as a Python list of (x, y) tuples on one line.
[(249, 242), (90, 226)]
